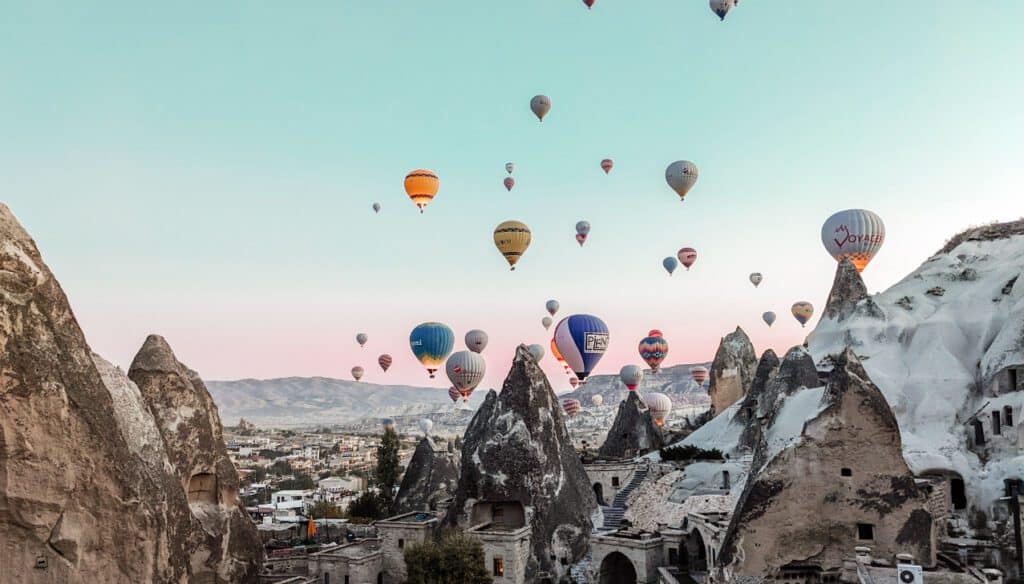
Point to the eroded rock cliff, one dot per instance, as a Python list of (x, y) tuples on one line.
[(633, 432)]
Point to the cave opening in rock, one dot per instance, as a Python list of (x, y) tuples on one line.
[(202, 488), (599, 494), (617, 569)]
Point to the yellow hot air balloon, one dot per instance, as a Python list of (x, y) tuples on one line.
[(512, 238), (421, 185)]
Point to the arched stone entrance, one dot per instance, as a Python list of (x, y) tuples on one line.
[(599, 494), (693, 555), (617, 569)]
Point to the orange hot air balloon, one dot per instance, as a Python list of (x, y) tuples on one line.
[(606, 165), (509, 183), (558, 356), (421, 185)]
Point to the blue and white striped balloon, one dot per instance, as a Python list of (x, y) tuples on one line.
[(581, 340)]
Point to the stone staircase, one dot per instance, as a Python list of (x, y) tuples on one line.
[(613, 514)]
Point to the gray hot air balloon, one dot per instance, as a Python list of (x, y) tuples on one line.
[(681, 175), (631, 376), (540, 105), (670, 264), (721, 7), (376, 207), (546, 321), (476, 340), (357, 373), (552, 306), (769, 318), (426, 425), (361, 338), (465, 370), (756, 278), (509, 167), (537, 351)]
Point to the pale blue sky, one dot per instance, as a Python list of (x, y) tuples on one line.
[(205, 170)]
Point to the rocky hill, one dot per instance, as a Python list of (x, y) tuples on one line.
[(673, 381)]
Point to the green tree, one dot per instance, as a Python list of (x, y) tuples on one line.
[(455, 558), (368, 506), (299, 483), (281, 468), (387, 465), (325, 509)]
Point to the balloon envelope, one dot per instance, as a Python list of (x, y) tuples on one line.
[(384, 361), (454, 393), (465, 370), (537, 351), (660, 406), (574, 382), (597, 399), (540, 105), (571, 406), (357, 373), (687, 256), (546, 321), (699, 374), (856, 234), (421, 185), (431, 343), (583, 227), (509, 167), (631, 376), (512, 238), (361, 338), (606, 165), (653, 349), (476, 340), (581, 340), (426, 425), (802, 312), (376, 207), (552, 306), (681, 175), (670, 264), (721, 7), (756, 278), (589, 3), (769, 318), (509, 183)]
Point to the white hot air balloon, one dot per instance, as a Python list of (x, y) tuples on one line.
[(537, 351), (546, 321), (509, 167), (681, 175), (756, 278), (769, 318), (540, 105), (631, 376), (722, 7), (465, 370), (660, 406), (476, 340), (597, 400), (552, 306), (856, 234), (426, 425), (357, 373)]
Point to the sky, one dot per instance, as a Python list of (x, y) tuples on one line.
[(205, 171)]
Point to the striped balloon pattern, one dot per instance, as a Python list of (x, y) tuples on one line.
[(454, 393), (512, 238), (802, 312), (466, 370), (571, 406), (687, 256), (856, 234), (431, 343), (581, 340), (660, 405), (384, 361), (653, 349), (421, 185), (558, 356), (699, 374)]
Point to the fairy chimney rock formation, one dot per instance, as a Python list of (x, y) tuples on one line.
[(633, 432), (732, 371), (432, 473), (847, 293), (519, 469), (226, 546)]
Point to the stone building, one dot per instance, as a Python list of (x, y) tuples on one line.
[(360, 562), (507, 545), (398, 532)]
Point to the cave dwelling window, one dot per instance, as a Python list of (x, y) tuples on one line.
[(865, 531), (498, 566)]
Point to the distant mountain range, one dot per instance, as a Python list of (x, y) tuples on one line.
[(674, 381), (300, 401)]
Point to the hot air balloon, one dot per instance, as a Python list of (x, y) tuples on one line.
[(681, 176), (384, 361), (756, 278), (454, 393), (653, 349), (421, 186), (802, 312), (361, 338), (431, 343), (631, 376), (476, 340), (582, 230), (769, 318), (687, 256), (357, 373), (388, 424), (558, 356), (597, 399), (670, 264), (589, 3), (376, 207), (509, 167), (512, 238), (856, 234), (660, 405), (699, 374), (721, 7), (540, 105), (465, 370), (546, 321), (509, 183), (606, 165), (552, 306), (574, 382), (537, 351), (581, 340), (426, 425), (571, 406)]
